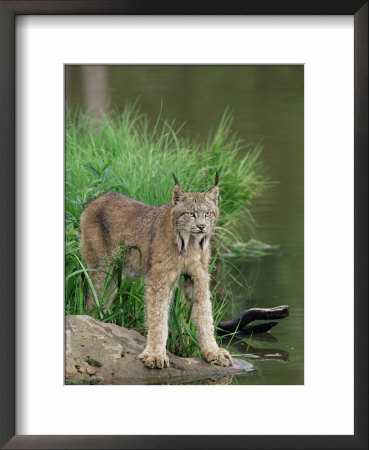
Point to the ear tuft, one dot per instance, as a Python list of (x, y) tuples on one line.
[(175, 178), (216, 179)]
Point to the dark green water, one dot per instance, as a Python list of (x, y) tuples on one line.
[(267, 103)]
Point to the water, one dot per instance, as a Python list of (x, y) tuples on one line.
[(267, 103)]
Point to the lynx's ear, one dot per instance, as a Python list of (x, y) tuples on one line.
[(214, 191), (213, 194), (178, 193)]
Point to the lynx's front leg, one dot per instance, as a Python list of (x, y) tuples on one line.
[(158, 293), (203, 319)]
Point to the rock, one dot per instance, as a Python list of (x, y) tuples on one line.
[(104, 353)]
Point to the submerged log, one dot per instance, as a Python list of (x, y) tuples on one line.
[(238, 324)]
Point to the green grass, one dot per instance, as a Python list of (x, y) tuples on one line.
[(93, 362), (127, 154)]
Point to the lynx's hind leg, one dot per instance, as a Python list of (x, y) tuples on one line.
[(97, 279), (95, 248), (188, 290)]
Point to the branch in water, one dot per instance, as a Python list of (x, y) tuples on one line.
[(239, 323)]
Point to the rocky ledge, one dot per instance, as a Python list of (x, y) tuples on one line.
[(104, 353)]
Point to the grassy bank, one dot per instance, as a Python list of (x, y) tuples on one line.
[(127, 154)]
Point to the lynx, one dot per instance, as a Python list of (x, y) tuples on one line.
[(166, 242)]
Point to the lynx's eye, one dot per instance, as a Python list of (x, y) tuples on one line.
[(208, 214), (191, 214)]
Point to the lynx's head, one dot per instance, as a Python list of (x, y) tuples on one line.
[(194, 214)]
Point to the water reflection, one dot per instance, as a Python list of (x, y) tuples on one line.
[(246, 349), (220, 380)]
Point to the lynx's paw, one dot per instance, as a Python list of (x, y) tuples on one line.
[(153, 360), (220, 356)]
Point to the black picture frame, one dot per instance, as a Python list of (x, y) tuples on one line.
[(8, 11)]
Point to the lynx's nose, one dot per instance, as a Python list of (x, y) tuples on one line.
[(201, 226)]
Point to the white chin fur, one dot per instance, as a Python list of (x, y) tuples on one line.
[(183, 240)]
